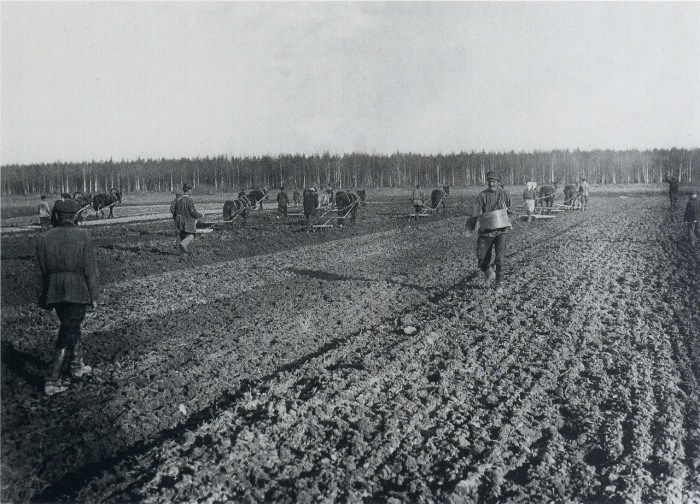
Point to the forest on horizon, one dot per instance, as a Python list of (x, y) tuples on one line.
[(229, 173)]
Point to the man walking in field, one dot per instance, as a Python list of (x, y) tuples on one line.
[(185, 216), (492, 231), (691, 217), (583, 190), (417, 199), (44, 214), (673, 190), (530, 196), (310, 206), (282, 203), (66, 260)]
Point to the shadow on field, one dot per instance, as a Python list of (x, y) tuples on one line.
[(23, 364), (137, 250), (334, 277)]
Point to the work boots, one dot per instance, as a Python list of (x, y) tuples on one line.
[(78, 367), (499, 279), (54, 385), (489, 277)]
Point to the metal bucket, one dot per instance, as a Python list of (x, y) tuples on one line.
[(494, 220)]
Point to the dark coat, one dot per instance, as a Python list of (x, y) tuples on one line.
[(66, 260), (692, 210), (282, 199), (185, 215), (310, 202)]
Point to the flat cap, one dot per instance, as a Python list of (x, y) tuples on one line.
[(492, 175), (69, 206)]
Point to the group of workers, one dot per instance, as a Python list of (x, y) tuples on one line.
[(69, 277), (575, 196)]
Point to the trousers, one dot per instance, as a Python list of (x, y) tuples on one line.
[(486, 246), (69, 348)]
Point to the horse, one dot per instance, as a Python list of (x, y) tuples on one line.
[(437, 199), (546, 196), (570, 194), (103, 201), (237, 207), (256, 198), (347, 202), (243, 203)]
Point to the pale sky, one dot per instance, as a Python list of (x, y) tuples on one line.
[(84, 81)]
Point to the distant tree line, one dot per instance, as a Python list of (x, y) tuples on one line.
[(353, 170)]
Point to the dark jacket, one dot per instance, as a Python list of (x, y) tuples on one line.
[(310, 202), (490, 200), (282, 199), (673, 184), (692, 211), (66, 260), (185, 215)]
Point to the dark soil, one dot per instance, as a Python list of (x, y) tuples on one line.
[(274, 366)]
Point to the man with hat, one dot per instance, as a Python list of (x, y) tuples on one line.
[(66, 260), (54, 213), (492, 239), (44, 213), (185, 216)]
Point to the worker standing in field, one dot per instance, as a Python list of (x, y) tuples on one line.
[(530, 196), (673, 190), (584, 190), (296, 195), (491, 238), (185, 216), (417, 199), (172, 212), (691, 217), (44, 213), (282, 203), (66, 260), (310, 206)]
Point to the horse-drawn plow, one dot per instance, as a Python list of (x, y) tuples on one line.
[(331, 213), (426, 211)]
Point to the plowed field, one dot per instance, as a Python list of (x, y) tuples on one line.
[(275, 365)]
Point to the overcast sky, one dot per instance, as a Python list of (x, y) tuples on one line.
[(86, 81)]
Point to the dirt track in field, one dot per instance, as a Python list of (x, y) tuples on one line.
[(290, 377)]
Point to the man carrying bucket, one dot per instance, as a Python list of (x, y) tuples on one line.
[(492, 207)]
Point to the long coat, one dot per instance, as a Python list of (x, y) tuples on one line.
[(692, 210), (185, 215), (310, 202), (66, 260)]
